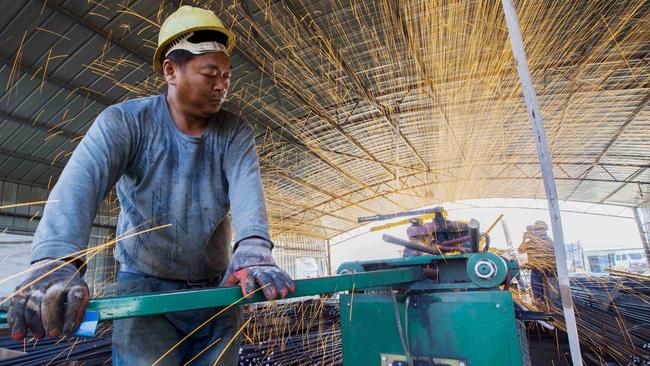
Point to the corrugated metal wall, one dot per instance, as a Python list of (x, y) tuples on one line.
[(24, 219)]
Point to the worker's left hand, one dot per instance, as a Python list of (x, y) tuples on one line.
[(252, 265)]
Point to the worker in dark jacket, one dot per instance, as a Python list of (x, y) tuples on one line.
[(180, 164), (541, 257)]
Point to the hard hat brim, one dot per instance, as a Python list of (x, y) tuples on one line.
[(157, 57)]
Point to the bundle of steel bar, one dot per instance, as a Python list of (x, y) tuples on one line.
[(83, 351), (293, 333), (613, 315)]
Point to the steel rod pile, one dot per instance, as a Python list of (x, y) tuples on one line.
[(294, 333), (85, 351), (613, 314)]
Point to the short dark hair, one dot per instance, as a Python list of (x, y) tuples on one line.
[(182, 57)]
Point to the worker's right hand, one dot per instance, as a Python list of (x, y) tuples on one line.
[(38, 302)]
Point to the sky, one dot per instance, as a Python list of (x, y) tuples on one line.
[(601, 227)]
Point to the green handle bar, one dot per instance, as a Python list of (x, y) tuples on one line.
[(111, 308)]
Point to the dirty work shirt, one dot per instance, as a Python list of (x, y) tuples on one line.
[(163, 177)]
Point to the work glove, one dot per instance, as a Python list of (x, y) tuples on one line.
[(38, 303), (252, 265)]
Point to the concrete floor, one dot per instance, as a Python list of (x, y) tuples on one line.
[(544, 350), (551, 350)]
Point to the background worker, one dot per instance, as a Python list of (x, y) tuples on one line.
[(541, 259), (176, 159)]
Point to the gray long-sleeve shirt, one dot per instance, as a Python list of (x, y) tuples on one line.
[(162, 176)]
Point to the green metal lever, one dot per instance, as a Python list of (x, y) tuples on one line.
[(111, 308)]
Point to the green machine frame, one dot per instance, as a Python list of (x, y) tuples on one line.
[(422, 311), (455, 316)]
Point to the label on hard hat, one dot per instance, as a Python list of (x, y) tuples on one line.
[(183, 43), (88, 324)]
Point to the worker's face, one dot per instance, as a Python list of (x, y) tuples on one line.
[(202, 83)]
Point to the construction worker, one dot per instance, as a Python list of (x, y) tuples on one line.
[(180, 164), (541, 259)]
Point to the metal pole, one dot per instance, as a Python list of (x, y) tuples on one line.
[(642, 233), (506, 232), (329, 258), (547, 174)]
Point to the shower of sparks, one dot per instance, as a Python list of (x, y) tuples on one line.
[(366, 107)]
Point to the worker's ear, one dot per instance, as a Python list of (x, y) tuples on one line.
[(170, 71)]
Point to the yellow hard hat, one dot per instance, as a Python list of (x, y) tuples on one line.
[(185, 20), (540, 225)]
